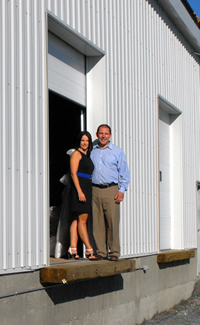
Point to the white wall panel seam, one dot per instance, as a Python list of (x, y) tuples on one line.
[(140, 123), (151, 144), (4, 174), (148, 93), (21, 131), (140, 129), (28, 81), (36, 131), (155, 136), (13, 139), (152, 107), (129, 210), (132, 156), (121, 106), (125, 129), (17, 119), (44, 172), (147, 128), (145, 158), (1, 126), (137, 63), (8, 141)]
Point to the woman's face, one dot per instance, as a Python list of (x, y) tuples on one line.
[(84, 144)]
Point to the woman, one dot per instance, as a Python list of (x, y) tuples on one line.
[(81, 171)]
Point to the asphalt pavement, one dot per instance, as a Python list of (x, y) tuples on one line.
[(185, 313)]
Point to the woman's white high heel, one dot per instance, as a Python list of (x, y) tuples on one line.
[(73, 255), (90, 256)]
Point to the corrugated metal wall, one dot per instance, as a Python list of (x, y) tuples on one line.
[(144, 58), (23, 148)]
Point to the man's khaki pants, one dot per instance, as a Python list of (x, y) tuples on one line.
[(106, 218)]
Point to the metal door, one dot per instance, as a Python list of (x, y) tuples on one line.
[(164, 168), (66, 70)]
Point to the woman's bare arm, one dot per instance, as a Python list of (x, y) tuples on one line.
[(74, 163)]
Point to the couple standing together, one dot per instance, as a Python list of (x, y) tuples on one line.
[(100, 174)]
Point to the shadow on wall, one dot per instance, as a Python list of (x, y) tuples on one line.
[(173, 264), (88, 288)]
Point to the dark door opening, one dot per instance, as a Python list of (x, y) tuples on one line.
[(64, 127)]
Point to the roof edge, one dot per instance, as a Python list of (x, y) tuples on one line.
[(183, 20)]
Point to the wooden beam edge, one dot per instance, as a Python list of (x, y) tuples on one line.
[(76, 272), (175, 256)]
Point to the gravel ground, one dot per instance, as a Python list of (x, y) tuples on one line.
[(185, 313)]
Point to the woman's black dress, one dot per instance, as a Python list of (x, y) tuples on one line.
[(85, 166)]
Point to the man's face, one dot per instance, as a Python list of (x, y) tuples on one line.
[(103, 136)]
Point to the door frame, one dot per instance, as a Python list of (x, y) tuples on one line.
[(176, 172)]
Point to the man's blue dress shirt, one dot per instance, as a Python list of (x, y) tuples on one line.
[(110, 165)]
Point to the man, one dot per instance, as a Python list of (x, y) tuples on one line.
[(110, 180)]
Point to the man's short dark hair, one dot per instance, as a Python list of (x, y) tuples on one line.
[(104, 126)]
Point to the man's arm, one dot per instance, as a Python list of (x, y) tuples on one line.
[(124, 177)]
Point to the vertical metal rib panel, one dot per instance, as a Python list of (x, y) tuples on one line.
[(3, 137), (144, 58), (23, 136)]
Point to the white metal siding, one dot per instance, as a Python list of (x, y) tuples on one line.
[(144, 58), (23, 148)]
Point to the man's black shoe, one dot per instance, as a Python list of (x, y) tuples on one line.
[(99, 257), (113, 258)]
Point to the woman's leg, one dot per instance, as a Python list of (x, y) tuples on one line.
[(74, 234), (82, 230)]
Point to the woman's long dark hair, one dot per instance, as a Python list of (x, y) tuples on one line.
[(90, 141)]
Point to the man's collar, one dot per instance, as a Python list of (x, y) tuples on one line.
[(109, 146)]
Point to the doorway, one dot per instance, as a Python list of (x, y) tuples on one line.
[(170, 171), (66, 120), (164, 173)]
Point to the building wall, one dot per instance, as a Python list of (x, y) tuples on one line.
[(146, 56), (23, 125)]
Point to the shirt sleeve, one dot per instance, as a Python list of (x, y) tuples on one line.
[(123, 171)]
